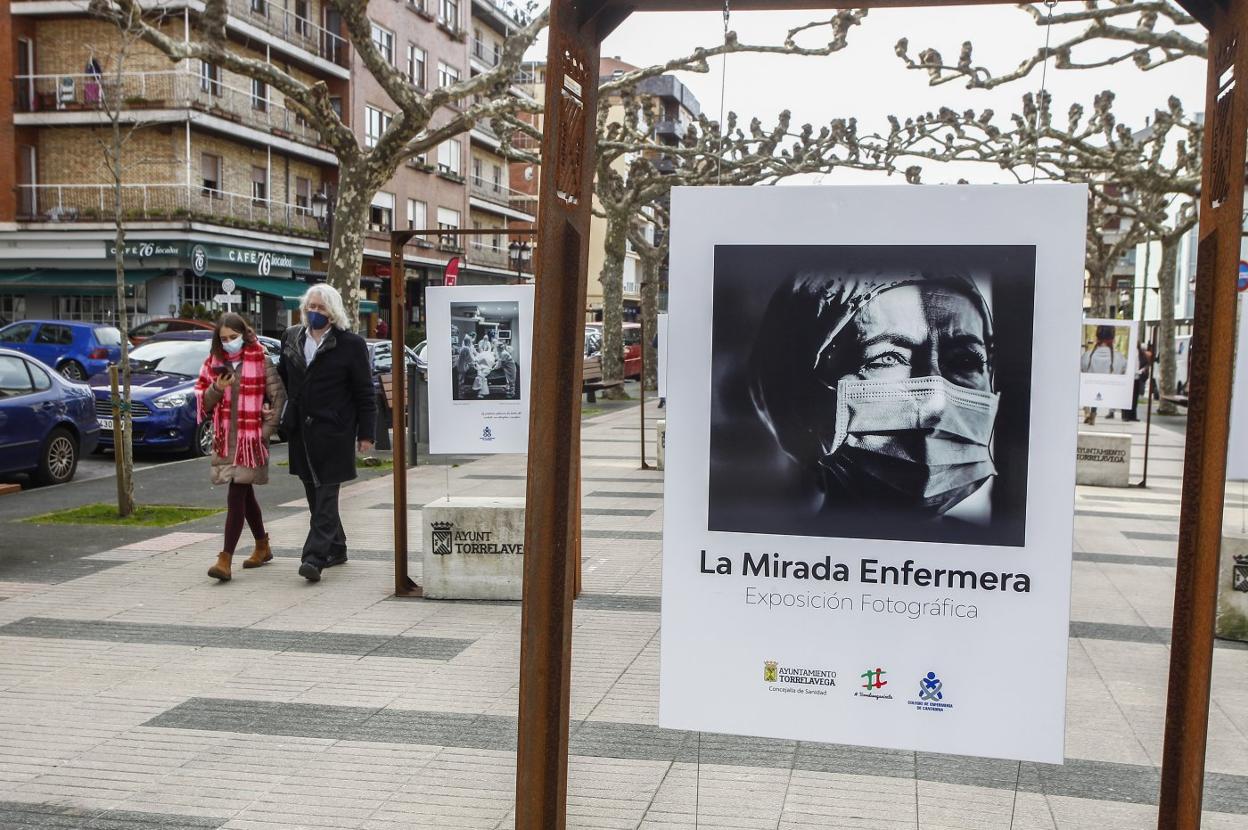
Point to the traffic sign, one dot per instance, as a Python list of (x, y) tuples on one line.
[(227, 285), (1242, 285), (227, 299)]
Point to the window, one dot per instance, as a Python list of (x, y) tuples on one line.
[(259, 184), (448, 13), (496, 171), (335, 103), (199, 290), (303, 195), (40, 377), (260, 7), (447, 75), (259, 95), (477, 178), (50, 335), (12, 308), (381, 213), (210, 173), (448, 220), (210, 78), (416, 215), (376, 123), (14, 379), (383, 39), (18, 333), (448, 156), (86, 309), (416, 66), (303, 26)]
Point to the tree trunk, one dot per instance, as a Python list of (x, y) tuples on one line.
[(346, 245), (650, 318), (123, 451), (1166, 272), (612, 279), (1098, 286)]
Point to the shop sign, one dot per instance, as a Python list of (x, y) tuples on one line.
[(201, 256)]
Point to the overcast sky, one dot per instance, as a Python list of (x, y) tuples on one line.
[(868, 81)]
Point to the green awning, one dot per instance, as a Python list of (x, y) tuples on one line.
[(287, 290), (100, 283)]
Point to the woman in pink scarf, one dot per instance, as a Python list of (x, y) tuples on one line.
[(241, 391)]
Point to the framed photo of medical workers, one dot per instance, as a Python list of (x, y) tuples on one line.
[(479, 350), (1108, 361), (874, 499), (1237, 449)]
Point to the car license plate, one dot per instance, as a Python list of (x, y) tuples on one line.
[(106, 423)]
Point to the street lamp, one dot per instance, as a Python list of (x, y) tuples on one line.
[(520, 253), (323, 212)]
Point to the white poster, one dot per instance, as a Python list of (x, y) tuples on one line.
[(663, 355), (1107, 363), (1237, 450), (868, 521), (480, 343)]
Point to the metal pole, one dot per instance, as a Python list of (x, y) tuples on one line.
[(1208, 421), (1148, 414), (551, 535), (403, 584), (644, 465)]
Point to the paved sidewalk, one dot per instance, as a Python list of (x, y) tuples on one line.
[(144, 695)]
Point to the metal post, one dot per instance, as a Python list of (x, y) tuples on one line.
[(403, 584), (644, 465), (552, 505), (1208, 421)]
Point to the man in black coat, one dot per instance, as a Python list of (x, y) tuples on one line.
[(331, 412)]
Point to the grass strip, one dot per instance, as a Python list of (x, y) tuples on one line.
[(144, 515)]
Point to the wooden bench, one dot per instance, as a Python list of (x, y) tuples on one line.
[(591, 390), (1181, 400)]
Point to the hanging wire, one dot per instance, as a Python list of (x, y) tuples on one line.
[(1018, 771), (1044, 81), (723, 86)]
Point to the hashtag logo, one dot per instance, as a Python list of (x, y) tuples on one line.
[(873, 679)]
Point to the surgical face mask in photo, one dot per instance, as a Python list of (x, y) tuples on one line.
[(924, 442)]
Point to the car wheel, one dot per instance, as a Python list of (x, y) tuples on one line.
[(202, 445), (59, 458), (72, 370)]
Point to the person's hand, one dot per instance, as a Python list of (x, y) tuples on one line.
[(266, 409), (365, 446), (223, 381)]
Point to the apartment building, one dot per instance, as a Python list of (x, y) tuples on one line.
[(220, 177), (677, 108)]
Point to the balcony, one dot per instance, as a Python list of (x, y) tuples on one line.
[(169, 89), (290, 27), (71, 203), (486, 52), (671, 130), (484, 253), (501, 194)]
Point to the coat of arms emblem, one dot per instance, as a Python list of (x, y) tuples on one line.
[(442, 537)]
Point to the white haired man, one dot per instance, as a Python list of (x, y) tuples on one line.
[(332, 412)]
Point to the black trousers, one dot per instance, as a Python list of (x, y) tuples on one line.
[(325, 533)]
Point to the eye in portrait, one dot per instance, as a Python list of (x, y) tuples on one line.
[(877, 392)]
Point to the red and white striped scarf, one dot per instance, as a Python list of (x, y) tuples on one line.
[(252, 450)]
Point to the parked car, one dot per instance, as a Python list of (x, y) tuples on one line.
[(76, 350), (165, 325), (632, 348), (272, 347), (163, 370), (46, 422)]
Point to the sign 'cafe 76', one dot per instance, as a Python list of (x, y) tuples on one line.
[(201, 258)]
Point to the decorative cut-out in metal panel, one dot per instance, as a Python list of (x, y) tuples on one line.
[(575, 76), (1221, 130)]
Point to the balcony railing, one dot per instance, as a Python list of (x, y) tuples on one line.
[(486, 52), (483, 253), (502, 194), (301, 31), (169, 89), (147, 202)]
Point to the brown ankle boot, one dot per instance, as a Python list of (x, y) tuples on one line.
[(260, 555), (221, 570)]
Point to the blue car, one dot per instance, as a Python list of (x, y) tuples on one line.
[(163, 370), (76, 350), (46, 422)]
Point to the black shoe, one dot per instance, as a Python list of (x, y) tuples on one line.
[(310, 572), (335, 559)]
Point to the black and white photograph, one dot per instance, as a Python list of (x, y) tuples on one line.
[(872, 391), (484, 356)]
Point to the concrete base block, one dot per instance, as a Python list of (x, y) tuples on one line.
[(660, 441), (1103, 459), (473, 548), (1233, 587)]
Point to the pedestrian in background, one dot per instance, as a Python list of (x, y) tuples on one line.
[(1142, 372), (240, 390), (332, 412)]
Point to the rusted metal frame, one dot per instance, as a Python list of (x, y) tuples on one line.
[(1208, 423), (404, 586), (553, 490), (642, 408)]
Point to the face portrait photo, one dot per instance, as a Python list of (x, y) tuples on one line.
[(877, 392), (484, 355)]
